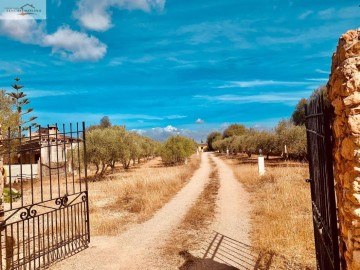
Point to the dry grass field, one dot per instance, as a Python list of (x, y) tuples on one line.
[(119, 199), (281, 211), (134, 196)]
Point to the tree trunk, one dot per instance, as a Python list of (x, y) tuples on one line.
[(103, 168), (128, 165), (6, 259), (97, 168), (113, 166)]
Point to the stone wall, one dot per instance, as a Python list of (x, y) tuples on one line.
[(344, 95), (3, 259), (1, 176)]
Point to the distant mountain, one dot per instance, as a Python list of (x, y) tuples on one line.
[(161, 134)]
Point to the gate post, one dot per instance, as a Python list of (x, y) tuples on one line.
[(344, 94), (2, 180)]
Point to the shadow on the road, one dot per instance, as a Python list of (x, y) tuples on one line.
[(224, 253)]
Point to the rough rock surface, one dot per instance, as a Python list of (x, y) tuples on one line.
[(344, 95)]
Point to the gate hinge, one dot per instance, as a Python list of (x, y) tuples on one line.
[(308, 180)]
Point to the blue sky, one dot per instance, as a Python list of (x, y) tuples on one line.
[(167, 66)]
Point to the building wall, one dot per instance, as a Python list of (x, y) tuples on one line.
[(17, 170), (52, 153)]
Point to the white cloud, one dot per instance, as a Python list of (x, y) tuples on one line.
[(348, 13), (135, 116), (57, 2), (171, 129), (199, 121), (342, 13), (326, 13), (256, 83), (35, 93), (162, 133), (95, 117), (71, 45), (118, 61), (175, 116), (321, 71), (287, 98), (308, 36), (9, 68), (318, 79), (213, 31), (304, 15), (75, 46), (24, 29), (96, 14)]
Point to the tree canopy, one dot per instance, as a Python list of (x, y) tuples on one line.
[(107, 146), (177, 149), (105, 122), (298, 116), (14, 108), (233, 130), (211, 138), (7, 117)]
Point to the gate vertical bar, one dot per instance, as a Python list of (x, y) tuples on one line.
[(37, 227), (312, 191), (319, 143), (86, 181), (327, 121)]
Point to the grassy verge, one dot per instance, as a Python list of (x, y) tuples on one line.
[(281, 213), (135, 196), (192, 230)]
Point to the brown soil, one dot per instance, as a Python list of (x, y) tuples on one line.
[(227, 246), (135, 248)]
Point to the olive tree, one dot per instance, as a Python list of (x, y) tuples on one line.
[(212, 138), (176, 149), (233, 130)]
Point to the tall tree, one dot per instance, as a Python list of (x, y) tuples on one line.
[(322, 91), (105, 122), (7, 116), (211, 138), (21, 101), (298, 116)]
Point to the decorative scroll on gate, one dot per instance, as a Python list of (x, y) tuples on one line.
[(318, 118), (45, 215)]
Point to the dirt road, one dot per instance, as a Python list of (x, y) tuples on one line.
[(132, 249), (136, 248), (230, 241)]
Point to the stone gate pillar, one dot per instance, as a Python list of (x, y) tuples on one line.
[(3, 259), (344, 94)]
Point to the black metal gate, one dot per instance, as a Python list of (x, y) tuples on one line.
[(45, 215), (319, 138)]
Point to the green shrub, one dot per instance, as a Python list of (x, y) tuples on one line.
[(176, 149), (15, 194)]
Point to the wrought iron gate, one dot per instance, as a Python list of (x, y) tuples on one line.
[(319, 138), (45, 215)]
